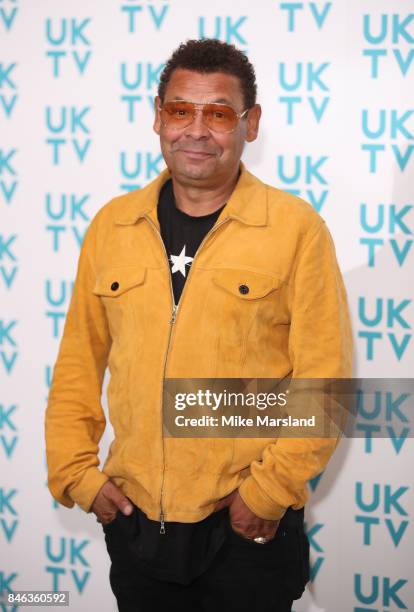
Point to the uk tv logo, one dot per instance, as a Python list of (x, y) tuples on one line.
[(8, 88), (305, 14), (387, 224), (139, 167), (8, 14), (8, 260), (67, 563), (8, 345), (57, 293), (316, 549), (6, 587), (139, 83), (69, 133), (382, 592), (8, 514), (380, 508), (387, 131), (66, 219), (8, 174), (389, 38), (69, 44), (227, 28), (383, 414), (8, 430), (307, 173), (384, 320), (143, 16), (303, 82)]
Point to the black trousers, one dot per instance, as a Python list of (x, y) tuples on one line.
[(243, 577)]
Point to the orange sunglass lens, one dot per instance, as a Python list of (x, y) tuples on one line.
[(177, 112), (218, 117)]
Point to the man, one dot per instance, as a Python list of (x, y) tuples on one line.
[(205, 273)]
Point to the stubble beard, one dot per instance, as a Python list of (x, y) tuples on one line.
[(196, 171)]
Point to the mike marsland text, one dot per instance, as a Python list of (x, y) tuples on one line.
[(239, 421)]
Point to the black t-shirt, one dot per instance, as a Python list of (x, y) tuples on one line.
[(182, 235)]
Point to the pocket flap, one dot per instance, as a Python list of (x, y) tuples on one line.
[(112, 282), (245, 284)]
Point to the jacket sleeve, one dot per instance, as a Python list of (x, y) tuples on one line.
[(74, 420), (320, 346)]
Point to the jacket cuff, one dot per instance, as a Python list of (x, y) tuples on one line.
[(85, 491), (259, 502)]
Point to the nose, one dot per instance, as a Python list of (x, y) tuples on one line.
[(197, 128)]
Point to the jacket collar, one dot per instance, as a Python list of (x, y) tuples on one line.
[(247, 203)]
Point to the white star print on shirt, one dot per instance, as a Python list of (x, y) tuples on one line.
[(180, 261)]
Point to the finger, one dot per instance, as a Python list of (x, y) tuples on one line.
[(269, 534), (246, 530), (243, 534), (224, 501), (119, 499), (255, 528), (272, 528)]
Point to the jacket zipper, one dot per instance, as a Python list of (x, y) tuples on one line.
[(172, 322)]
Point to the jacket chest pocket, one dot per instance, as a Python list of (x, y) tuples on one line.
[(119, 288), (243, 304), (243, 294), (245, 285)]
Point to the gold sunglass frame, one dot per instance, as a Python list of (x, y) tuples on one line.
[(199, 106)]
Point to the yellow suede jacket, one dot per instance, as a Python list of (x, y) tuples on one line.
[(294, 321)]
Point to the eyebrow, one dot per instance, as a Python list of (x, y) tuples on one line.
[(216, 101)]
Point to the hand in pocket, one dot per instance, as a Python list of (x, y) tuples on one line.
[(108, 501)]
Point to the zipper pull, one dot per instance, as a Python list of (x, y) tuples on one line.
[(174, 314), (162, 527)]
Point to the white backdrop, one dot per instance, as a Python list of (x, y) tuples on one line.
[(336, 83)]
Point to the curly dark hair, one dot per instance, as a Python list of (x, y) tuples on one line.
[(210, 55)]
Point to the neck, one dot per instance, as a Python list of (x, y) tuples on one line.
[(201, 200)]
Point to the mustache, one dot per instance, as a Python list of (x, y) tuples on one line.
[(196, 148)]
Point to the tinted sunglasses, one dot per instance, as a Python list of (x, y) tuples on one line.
[(179, 114)]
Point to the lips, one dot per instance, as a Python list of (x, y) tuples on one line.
[(196, 154)]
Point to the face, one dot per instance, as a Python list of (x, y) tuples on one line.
[(195, 155)]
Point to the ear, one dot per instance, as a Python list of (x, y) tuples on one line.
[(253, 120), (157, 118)]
